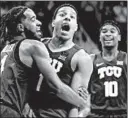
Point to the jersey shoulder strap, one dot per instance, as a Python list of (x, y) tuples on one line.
[(46, 40)]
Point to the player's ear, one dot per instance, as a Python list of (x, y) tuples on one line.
[(20, 27), (119, 38), (76, 27), (100, 38), (53, 23)]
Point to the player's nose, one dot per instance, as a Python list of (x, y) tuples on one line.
[(108, 34), (67, 18), (39, 23)]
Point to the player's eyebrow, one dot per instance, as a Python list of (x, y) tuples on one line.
[(73, 12), (32, 17)]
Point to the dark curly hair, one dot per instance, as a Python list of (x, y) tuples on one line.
[(9, 23), (113, 23)]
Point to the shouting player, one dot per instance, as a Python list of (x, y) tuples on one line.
[(72, 64)]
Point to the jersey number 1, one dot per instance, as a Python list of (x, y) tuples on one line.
[(111, 89)]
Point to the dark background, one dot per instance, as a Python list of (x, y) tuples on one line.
[(91, 15)]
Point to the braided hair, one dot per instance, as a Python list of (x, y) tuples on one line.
[(9, 23)]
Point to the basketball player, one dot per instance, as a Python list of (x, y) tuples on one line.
[(72, 64), (108, 83), (23, 59)]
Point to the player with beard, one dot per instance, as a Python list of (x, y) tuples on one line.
[(108, 83), (22, 60), (72, 64)]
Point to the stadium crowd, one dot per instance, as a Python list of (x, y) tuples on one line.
[(91, 15)]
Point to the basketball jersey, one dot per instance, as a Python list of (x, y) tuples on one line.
[(15, 77), (52, 105), (108, 83)]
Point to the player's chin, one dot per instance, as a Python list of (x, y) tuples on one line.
[(109, 47), (39, 36)]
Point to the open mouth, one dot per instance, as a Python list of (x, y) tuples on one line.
[(65, 27)]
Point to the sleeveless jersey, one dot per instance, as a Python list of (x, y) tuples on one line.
[(15, 77), (108, 83), (48, 101)]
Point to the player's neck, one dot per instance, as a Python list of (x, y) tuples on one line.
[(110, 54), (59, 44), (19, 37)]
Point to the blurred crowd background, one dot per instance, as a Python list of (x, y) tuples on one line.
[(91, 15)]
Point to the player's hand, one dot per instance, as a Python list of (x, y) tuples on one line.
[(83, 92), (28, 112)]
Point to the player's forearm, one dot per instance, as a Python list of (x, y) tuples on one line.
[(68, 95)]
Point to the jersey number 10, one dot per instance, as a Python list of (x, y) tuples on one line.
[(111, 89)]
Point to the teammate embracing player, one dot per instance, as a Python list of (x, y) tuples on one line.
[(22, 60)]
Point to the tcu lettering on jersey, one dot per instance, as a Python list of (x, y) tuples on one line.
[(109, 71), (56, 64)]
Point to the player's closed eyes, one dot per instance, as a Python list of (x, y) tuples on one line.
[(111, 31), (33, 19)]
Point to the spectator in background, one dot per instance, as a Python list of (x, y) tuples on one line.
[(120, 15), (90, 18), (84, 40), (91, 13), (116, 10)]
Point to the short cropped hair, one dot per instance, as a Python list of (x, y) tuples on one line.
[(64, 5)]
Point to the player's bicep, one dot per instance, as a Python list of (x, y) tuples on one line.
[(78, 86), (76, 81), (41, 57), (82, 73), (39, 50), (85, 68)]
